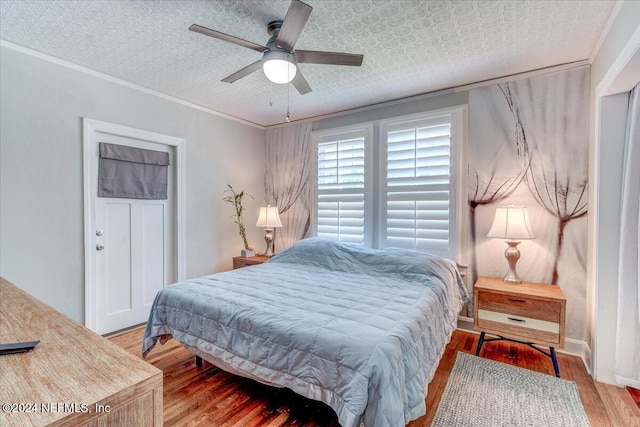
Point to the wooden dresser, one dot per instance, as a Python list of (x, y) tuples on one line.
[(529, 313), (74, 376), (239, 261)]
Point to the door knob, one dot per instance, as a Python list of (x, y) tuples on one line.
[(99, 247)]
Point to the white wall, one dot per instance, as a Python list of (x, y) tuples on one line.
[(610, 68), (41, 208)]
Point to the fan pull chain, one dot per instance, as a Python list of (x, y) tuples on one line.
[(270, 93), (288, 114), (288, 117)]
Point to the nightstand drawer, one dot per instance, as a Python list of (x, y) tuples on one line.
[(525, 306), (527, 328)]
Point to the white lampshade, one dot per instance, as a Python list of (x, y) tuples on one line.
[(279, 67), (269, 217), (511, 223)]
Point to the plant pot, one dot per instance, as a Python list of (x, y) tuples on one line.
[(247, 253)]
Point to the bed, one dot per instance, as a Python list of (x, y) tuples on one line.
[(362, 330)]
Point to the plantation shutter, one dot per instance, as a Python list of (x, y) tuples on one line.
[(417, 182), (341, 187)]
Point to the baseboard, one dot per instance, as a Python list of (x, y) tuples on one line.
[(586, 357), (123, 330), (466, 324), (572, 346)]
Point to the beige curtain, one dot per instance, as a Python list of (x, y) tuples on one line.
[(287, 180)]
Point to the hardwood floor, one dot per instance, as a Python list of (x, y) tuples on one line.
[(208, 396), (635, 394)]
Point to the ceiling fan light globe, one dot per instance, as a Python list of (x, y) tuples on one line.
[(279, 71), (279, 66)]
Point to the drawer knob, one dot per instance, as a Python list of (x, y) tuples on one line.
[(516, 300), (516, 320)]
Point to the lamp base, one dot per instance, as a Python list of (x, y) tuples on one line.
[(268, 237), (513, 255), (509, 278)]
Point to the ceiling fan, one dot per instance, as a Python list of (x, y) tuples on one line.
[(279, 59)]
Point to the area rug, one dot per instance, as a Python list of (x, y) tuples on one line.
[(481, 392)]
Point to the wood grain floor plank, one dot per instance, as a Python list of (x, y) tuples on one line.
[(635, 394), (278, 421), (619, 405), (593, 404), (208, 396)]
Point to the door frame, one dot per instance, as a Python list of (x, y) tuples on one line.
[(91, 128)]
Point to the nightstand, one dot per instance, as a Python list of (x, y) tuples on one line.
[(526, 313), (239, 261)]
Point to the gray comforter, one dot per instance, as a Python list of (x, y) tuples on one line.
[(359, 329)]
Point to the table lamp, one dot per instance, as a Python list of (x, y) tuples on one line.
[(269, 219), (511, 223)]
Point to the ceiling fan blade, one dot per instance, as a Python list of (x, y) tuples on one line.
[(226, 37), (293, 24), (300, 83), (331, 58), (243, 72)]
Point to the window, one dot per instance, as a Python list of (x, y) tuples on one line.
[(341, 186), (396, 188), (416, 184)]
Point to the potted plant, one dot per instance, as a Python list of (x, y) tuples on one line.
[(235, 199)]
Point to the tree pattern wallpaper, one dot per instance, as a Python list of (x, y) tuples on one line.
[(528, 146)]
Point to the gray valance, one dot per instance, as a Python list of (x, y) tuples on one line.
[(132, 173)]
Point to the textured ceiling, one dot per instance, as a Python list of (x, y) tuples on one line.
[(410, 46)]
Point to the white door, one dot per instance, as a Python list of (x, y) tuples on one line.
[(133, 243), (133, 259)]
